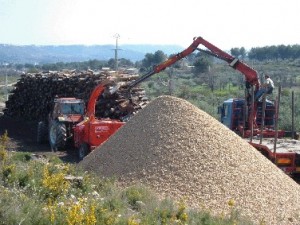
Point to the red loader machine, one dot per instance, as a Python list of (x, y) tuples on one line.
[(92, 131)]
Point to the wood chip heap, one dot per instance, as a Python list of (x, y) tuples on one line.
[(33, 94), (180, 151)]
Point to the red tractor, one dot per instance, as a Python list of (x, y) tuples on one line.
[(58, 129)]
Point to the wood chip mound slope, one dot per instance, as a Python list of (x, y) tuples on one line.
[(180, 151)]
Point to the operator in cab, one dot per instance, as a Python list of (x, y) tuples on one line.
[(266, 88)]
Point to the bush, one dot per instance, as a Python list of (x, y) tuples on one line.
[(35, 192)]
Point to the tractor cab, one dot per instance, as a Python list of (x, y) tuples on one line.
[(68, 109), (58, 129)]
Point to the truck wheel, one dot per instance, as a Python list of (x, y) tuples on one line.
[(57, 136), (83, 151), (41, 132)]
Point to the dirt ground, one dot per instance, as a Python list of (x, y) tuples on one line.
[(22, 137)]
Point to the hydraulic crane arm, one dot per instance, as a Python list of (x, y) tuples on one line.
[(97, 91), (250, 74)]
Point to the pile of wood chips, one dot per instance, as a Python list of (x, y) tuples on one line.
[(181, 152), (33, 94)]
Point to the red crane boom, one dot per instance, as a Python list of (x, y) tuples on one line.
[(250, 74)]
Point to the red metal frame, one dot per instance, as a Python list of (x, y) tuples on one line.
[(288, 169), (267, 132), (91, 130)]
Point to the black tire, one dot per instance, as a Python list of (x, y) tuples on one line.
[(42, 131), (83, 151), (58, 136)]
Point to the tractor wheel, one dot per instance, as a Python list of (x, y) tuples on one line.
[(83, 151), (42, 132), (57, 136)]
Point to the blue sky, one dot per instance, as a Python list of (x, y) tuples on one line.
[(227, 24)]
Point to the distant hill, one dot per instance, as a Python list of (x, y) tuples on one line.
[(75, 53)]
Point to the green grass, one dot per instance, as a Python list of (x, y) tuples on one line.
[(34, 191)]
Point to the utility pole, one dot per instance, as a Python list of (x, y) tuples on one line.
[(117, 36), (6, 81)]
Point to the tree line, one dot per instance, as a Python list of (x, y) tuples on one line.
[(269, 52), (198, 60)]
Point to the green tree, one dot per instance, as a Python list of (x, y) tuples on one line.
[(153, 59), (159, 57), (125, 63), (201, 65), (238, 52), (243, 52), (111, 63)]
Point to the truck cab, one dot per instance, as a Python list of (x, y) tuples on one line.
[(233, 114)]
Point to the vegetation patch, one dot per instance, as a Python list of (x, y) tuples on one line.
[(42, 192)]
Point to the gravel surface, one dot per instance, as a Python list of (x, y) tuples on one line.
[(22, 138), (182, 152)]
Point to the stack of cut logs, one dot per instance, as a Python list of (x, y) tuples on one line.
[(33, 94)]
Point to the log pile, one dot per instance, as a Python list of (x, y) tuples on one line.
[(33, 94)]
